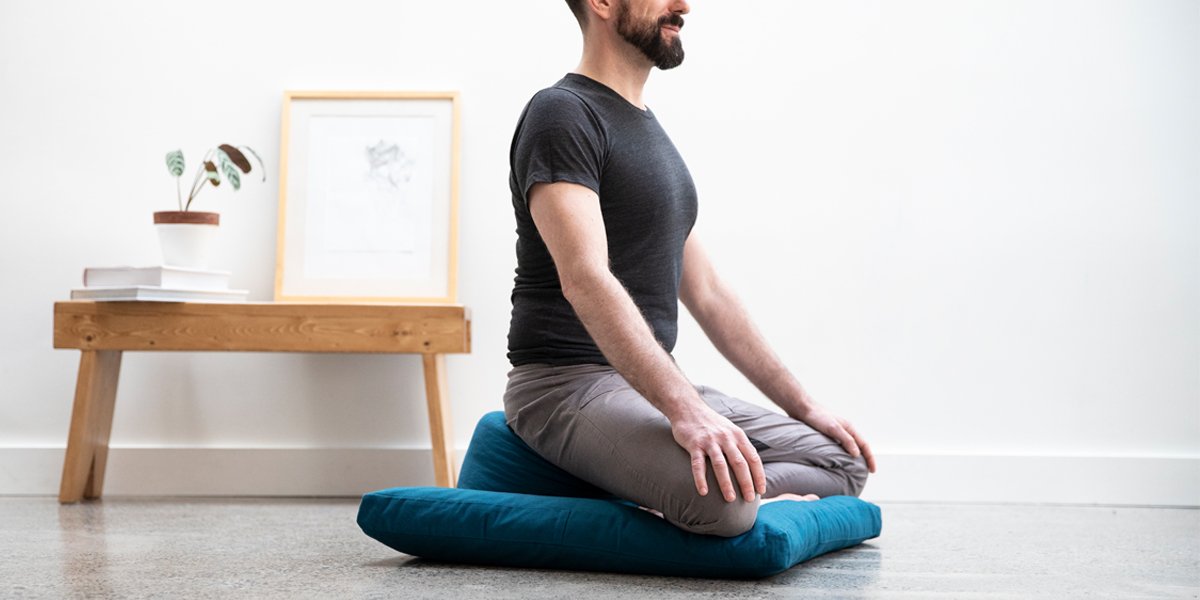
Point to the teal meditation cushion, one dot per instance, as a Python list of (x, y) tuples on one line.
[(499, 461), (514, 508)]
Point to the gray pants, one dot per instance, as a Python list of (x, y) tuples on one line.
[(589, 421)]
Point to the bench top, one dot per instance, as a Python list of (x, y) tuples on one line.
[(262, 327)]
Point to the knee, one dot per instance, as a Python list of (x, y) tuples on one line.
[(712, 515)]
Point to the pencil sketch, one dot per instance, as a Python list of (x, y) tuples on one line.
[(371, 197), (389, 165)]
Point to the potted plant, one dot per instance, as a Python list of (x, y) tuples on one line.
[(185, 235)]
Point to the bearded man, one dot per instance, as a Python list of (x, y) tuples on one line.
[(604, 207)]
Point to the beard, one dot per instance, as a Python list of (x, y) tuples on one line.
[(649, 39)]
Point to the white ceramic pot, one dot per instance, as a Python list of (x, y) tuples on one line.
[(186, 238)]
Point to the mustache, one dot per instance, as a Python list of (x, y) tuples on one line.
[(671, 19)]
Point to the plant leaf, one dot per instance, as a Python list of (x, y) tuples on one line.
[(236, 157), (230, 171), (263, 167), (175, 162), (210, 171)]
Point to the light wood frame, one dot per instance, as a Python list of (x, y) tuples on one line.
[(455, 148)]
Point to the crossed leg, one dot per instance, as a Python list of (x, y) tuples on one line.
[(591, 423), (797, 459)]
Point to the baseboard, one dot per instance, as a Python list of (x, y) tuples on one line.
[(227, 471), (351, 472), (1152, 481)]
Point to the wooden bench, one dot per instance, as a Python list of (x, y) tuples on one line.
[(103, 330)]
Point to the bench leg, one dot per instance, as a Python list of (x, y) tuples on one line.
[(440, 425), (91, 424)]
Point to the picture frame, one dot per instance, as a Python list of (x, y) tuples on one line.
[(368, 197)]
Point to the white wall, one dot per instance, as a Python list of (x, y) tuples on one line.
[(970, 227)]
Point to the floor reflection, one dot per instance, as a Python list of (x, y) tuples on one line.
[(846, 570), (84, 550)]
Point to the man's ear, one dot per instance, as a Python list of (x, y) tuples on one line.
[(603, 9)]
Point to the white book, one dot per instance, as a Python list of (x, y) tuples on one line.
[(159, 276), (157, 294)]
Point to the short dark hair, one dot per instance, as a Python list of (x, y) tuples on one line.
[(577, 7)]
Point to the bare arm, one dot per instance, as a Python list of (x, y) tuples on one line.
[(726, 322), (569, 220)]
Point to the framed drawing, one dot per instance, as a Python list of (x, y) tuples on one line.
[(368, 197)]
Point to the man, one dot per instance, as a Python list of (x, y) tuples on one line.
[(604, 207)]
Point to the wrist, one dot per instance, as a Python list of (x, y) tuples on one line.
[(799, 405), (683, 408)]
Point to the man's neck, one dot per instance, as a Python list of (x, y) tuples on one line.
[(618, 66)]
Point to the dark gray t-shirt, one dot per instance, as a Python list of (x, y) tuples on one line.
[(583, 132)]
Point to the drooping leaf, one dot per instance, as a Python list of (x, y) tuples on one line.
[(230, 171), (263, 167), (175, 162), (210, 171), (236, 157)]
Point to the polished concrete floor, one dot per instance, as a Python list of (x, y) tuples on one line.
[(312, 548)]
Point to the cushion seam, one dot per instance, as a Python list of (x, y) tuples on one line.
[(561, 545)]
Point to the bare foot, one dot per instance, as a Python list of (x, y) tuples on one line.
[(652, 511), (797, 497)]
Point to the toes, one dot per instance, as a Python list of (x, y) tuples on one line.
[(795, 497)]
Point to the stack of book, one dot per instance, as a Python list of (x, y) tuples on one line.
[(161, 284)]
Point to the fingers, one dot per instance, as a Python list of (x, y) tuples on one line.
[(844, 438), (738, 467), (698, 472), (735, 463), (758, 476), (866, 450), (862, 445), (721, 470), (867, 454)]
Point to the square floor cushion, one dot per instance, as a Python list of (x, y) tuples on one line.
[(514, 508)]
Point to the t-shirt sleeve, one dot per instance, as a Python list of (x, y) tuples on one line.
[(559, 139)]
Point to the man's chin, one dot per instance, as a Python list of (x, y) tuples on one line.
[(672, 61)]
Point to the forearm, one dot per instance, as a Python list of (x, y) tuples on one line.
[(626, 340), (727, 324)]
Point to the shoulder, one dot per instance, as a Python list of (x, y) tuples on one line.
[(556, 111), (557, 102)]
